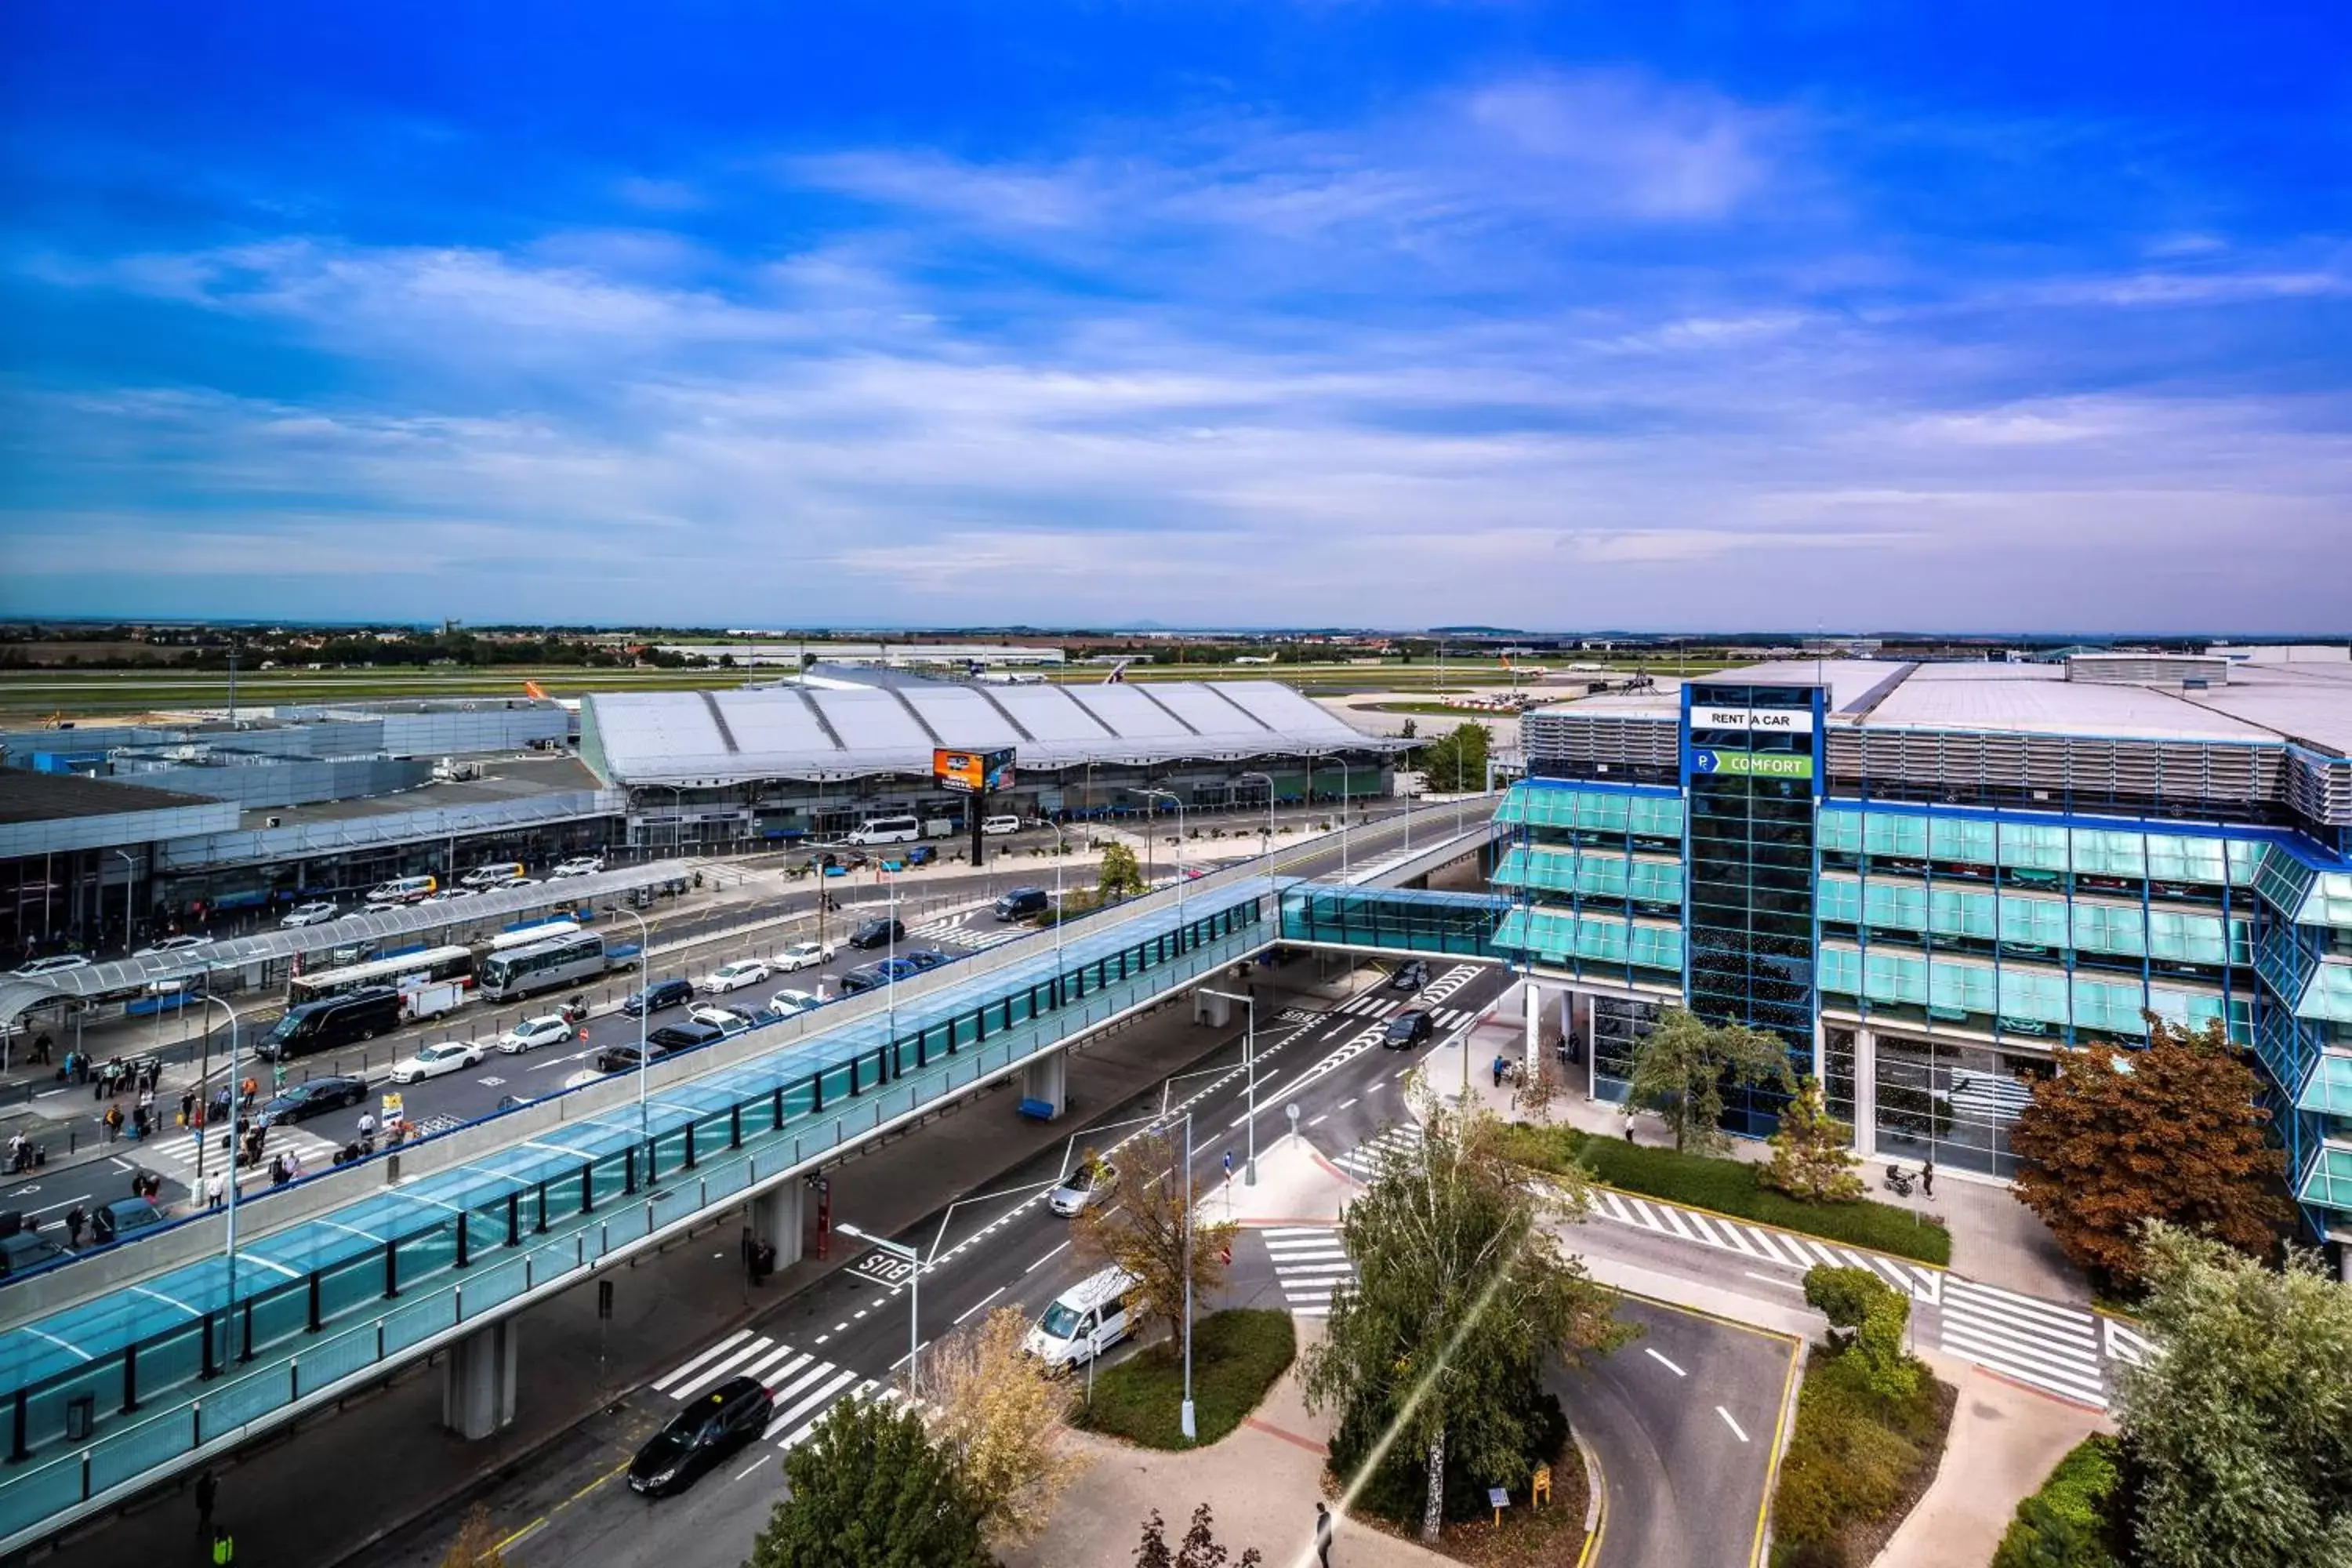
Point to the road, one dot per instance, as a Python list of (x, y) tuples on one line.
[(1686, 1422), (1001, 1248)]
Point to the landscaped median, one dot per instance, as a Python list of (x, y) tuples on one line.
[(1237, 1355), (1727, 1188)]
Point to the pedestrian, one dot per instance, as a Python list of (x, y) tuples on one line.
[(1323, 1535), (293, 1165), (112, 1123), (207, 1491), (246, 1090), (216, 1191), (278, 1169), (1928, 1177), (1498, 1083), (187, 1108), (17, 1161), (1629, 1128), (223, 1546), (41, 1046), (75, 1219)]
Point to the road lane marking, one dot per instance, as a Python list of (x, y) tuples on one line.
[(1727, 1421), (1663, 1362), (1047, 1259), (983, 1301), (1773, 1279)]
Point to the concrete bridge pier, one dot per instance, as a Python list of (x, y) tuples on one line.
[(477, 1380), (1048, 1079), (777, 1217)]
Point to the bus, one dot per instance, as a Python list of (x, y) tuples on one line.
[(402, 972), (542, 965), (508, 941)]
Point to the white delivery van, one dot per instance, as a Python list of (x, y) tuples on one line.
[(1087, 1319), (403, 890), (887, 830), (938, 826), (993, 826)]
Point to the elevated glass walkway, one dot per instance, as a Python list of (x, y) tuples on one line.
[(134, 1363), (1394, 920)]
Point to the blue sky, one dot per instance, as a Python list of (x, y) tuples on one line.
[(1705, 315)]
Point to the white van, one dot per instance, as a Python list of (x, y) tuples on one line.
[(493, 876), (1087, 1319), (993, 826), (887, 830), (403, 890)]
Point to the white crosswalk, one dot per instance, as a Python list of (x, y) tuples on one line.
[(1373, 1005), (973, 930), (1310, 1263), (2044, 1343), (1363, 1161), (804, 1386), (172, 1154), (1758, 1241)]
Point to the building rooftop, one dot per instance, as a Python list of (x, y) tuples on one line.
[(27, 796), (503, 780)]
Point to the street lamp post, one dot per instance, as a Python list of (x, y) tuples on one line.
[(1170, 796), (645, 963), (1186, 1421), (1249, 1065), (231, 1243), (914, 1260)]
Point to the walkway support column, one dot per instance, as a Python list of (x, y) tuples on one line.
[(1865, 1092), (1535, 1031), (777, 1217), (1046, 1080), (477, 1381)]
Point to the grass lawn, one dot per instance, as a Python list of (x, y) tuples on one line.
[(1857, 1464), (1236, 1356), (1728, 1186)]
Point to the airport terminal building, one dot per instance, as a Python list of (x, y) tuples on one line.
[(1928, 878)]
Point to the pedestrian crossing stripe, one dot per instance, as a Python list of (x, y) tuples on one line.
[(1363, 1161), (178, 1149), (953, 929), (801, 1386), (2045, 1344), (1309, 1264), (1780, 1246)]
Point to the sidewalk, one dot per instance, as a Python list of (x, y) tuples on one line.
[(2004, 1442), (574, 1365)]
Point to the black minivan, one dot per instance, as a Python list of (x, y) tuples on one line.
[(661, 994), (718, 1423), (1022, 903), (877, 933), (321, 1026)]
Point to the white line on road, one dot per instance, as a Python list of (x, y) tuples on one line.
[(983, 1301), (1047, 1259), (1345, 1103), (1727, 1421), (1320, 1119), (1773, 1279), (1664, 1362)]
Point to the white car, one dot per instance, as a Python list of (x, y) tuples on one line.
[(309, 915), (584, 866), (804, 955), (1088, 1183), (517, 882), (996, 826), (449, 895), (724, 1018), (733, 977), (171, 944), (450, 1056), (792, 1004), (533, 1033), (56, 965)]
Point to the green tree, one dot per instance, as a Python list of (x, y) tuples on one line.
[(1141, 1225), (1680, 1070), (870, 1489), (2173, 1132), (1455, 761), (2241, 1428), (1813, 1152), (1121, 876), (1435, 1358), (1874, 1315)]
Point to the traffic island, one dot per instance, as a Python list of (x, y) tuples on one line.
[(1526, 1533), (1237, 1356)]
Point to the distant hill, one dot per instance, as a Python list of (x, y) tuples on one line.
[(1474, 632)]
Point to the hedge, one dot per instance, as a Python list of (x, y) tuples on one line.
[(1856, 1464), (2068, 1523), (1726, 1187)]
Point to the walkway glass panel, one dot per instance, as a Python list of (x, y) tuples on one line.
[(1405, 918)]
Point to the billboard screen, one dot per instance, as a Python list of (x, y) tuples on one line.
[(971, 772)]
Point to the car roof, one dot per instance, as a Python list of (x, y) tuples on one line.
[(1097, 1288)]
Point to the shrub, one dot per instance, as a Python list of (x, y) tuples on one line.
[(2069, 1522), (1856, 1462)]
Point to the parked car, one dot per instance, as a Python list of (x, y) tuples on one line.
[(925, 957), (716, 1424), (864, 977), (878, 933), (1090, 1180), (804, 955), (549, 1029), (578, 866), (1022, 903), (687, 1036), (792, 1004), (733, 977), (653, 998), (495, 875), (311, 914), (26, 1251), (121, 1218), (315, 1097), (171, 944), (448, 1057), (1409, 977), (996, 826), (451, 895), (921, 855), (623, 1059), (726, 1020), (1087, 1319), (54, 965), (1408, 1029)]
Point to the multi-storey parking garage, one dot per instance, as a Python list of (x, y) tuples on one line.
[(1927, 879)]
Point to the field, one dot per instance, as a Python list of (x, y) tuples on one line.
[(34, 695)]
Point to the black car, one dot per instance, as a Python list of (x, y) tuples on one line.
[(1408, 1029), (716, 1425), (1410, 976), (623, 1059), (925, 957), (864, 977), (687, 1036), (878, 933), (24, 1251), (661, 994), (1022, 903), (315, 1097)]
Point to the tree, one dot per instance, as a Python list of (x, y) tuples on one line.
[(1457, 761), (1874, 1314), (476, 1544), (1813, 1154), (1435, 1358), (2239, 1428), (2172, 1133), (871, 1490), (1199, 1548), (1679, 1072), (998, 1415), (1121, 876), (1140, 1225)]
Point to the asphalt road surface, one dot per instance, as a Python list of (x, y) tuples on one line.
[(850, 1332), (1686, 1421)]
